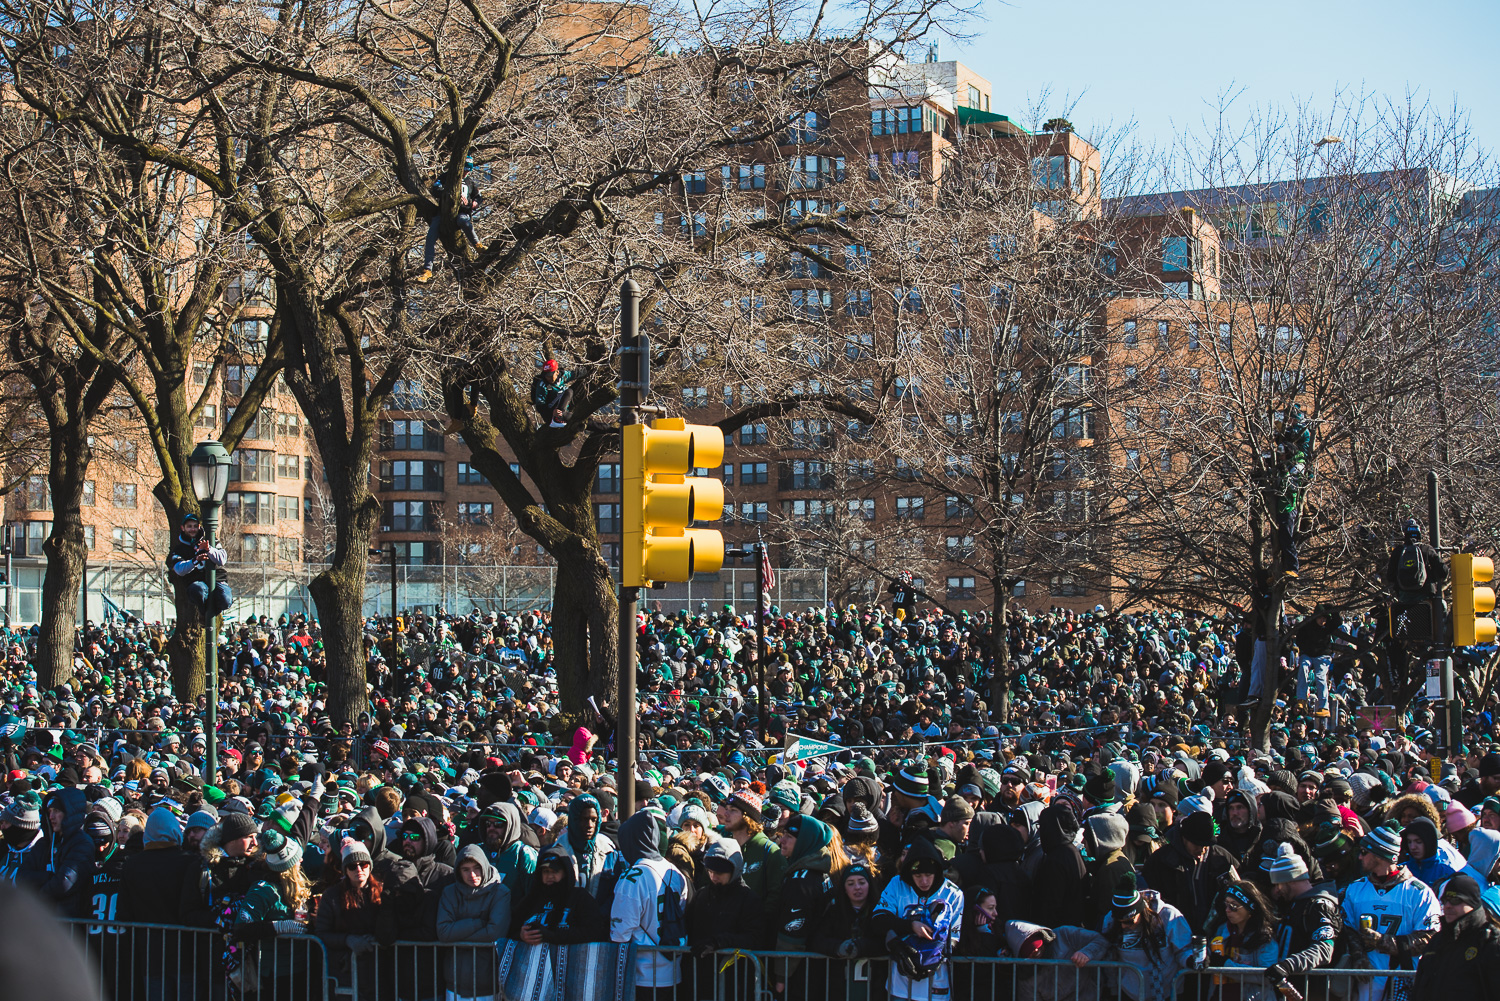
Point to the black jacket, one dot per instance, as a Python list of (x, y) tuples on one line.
[(1462, 961), (841, 923), (155, 884), (1060, 892), (420, 886), (726, 917), (1309, 931), (565, 913), (1184, 882)]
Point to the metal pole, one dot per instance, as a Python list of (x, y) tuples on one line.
[(632, 366), (395, 624), (760, 640), (211, 526), (1442, 629)]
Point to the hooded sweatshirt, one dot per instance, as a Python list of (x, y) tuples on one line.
[(1430, 870), (1109, 866), (804, 885), (651, 893), (71, 855), (513, 858), (941, 909), (597, 863), (479, 914), (1031, 856), (729, 916), (1061, 885), (564, 912), (1484, 846), (1240, 843), (1060, 943), (417, 896)]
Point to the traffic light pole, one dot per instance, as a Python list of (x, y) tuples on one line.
[(1449, 705), (635, 384)]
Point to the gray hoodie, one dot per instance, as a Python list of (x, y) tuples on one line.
[(1057, 979), (473, 914)]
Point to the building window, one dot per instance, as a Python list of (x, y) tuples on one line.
[(208, 417), (476, 512), (960, 588), (469, 476), (1163, 335), (695, 182), (902, 121), (288, 508), (754, 474), (88, 493), (694, 397), (863, 508), (606, 482), (288, 550), (906, 163), (955, 506), (1226, 336), (804, 475), (1065, 586), (910, 508), (1193, 342), (123, 539), (288, 467), (1177, 253), (250, 508), (408, 394), (858, 302), (746, 176), (88, 537), (416, 554), (414, 436), (960, 546), (810, 303), (36, 534), (757, 511), (608, 518), (252, 465), (754, 434), (237, 378), (256, 548), (408, 516), (412, 474), (1128, 334), (125, 494)]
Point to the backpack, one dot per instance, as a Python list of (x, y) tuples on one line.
[(671, 918), (1411, 569)]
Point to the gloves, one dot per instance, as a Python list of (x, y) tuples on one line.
[(1277, 971), (907, 960), (360, 943), (289, 927), (848, 949)]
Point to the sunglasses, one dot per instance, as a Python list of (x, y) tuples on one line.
[(1011, 780), (359, 865), (1230, 904), (411, 835)]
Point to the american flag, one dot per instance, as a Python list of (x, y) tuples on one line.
[(765, 568)]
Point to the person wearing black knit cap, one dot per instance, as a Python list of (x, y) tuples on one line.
[(1187, 869), (1463, 958)]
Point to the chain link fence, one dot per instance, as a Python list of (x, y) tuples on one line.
[(139, 588)]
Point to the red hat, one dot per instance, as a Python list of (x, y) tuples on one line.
[(550, 365), (381, 747), (232, 753)]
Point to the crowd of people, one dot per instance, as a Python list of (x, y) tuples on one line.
[(1125, 833)]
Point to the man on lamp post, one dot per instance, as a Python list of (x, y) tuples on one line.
[(190, 559)]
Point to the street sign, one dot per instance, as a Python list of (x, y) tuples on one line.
[(1375, 718), (1434, 688), (806, 748)]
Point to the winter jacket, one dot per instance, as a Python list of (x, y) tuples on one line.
[(512, 858), (1462, 961), (154, 883), (1186, 884), (420, 887), (843, 931), (1060, 891), (763, 868), (1059, 984), (71, 853), (565, 913), (596, 862), (805, 885), (473, 914), (1239, 843), (336, 923), (1111, 867), (650, 905), (1160, 960), (1308, 931), (1228, 951), (726, 917), (1430, 870)]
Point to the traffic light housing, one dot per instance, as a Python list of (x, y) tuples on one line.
[(1473, 600), (662, 501)]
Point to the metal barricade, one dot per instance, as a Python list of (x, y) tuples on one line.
[(796, 976), (145, 962), (1221, 983), (442, 971)]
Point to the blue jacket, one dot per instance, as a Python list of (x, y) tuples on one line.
[(71, 857)]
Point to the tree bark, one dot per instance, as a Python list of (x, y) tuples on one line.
[(585, 640), (1000, 654), (65, 553)]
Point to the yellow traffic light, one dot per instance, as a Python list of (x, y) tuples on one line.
[(1472, 602), (662, 501)]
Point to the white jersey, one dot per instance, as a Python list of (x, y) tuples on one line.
[(1407, 906), (639, 896), (943, 911)]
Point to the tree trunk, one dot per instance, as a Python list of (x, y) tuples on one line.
[(65, 553), (1000, 654), (186, 647), (339, 593), (585, 628)]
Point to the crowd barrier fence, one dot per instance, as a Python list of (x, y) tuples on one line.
[(1251, 984), (147, 962)]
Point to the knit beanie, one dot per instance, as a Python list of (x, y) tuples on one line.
[(1200, 829), (717, 787), (163, 827), (1384, 841), (1463, 889), (1288, 866), (25, 812), (1126, 895), (748, 801), (202, 820), (353, 851), (234, 826), (861, 820), (282, 852), (911, 781), (284, 817)]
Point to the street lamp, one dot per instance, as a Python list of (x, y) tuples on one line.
[(209, 466)]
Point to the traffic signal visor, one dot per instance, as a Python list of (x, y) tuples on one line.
[(662, 501), (1473, 600)]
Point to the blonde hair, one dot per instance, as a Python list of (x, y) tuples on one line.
[(292, 885)]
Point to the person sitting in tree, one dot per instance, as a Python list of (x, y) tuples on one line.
[(552, 394), (469, 200), (189, 560)]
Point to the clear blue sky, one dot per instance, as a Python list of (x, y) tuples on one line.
[(1164, 65)]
